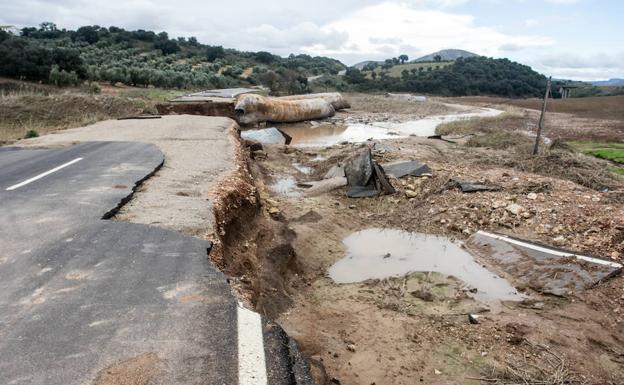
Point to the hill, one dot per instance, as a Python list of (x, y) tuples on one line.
[(446, 55), (146, 58), (363, 64), (471, 76), (397, 71), (610, 82)]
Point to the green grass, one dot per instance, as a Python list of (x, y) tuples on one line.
[(609, 151), (619, 171), (614, 155)]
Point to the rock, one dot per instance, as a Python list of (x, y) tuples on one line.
[(560, 240), (615, 255), (514, 208), (259, 154), (473, 319), (532, 196), (411, 194), (274, 211), (498, 204), (437, 372), (351, 348), (253, 145)]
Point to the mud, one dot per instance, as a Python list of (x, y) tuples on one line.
[(384, 253), (331, 134), (414, 328)]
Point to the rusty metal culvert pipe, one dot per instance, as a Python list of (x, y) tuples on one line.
[(251, 109)]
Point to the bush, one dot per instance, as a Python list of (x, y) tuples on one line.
[(31, 134)]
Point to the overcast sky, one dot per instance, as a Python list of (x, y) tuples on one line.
[(576, 39)]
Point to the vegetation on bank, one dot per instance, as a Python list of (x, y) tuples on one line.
[(146, 58)]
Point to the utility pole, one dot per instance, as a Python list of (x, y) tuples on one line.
[(541, 120)]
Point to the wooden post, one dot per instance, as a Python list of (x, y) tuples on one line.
[(541, 120)]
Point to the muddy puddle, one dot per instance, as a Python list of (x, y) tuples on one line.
[(382, 253), (327, 135)]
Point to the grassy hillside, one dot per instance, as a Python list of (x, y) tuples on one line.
[(146, 58), (397, 70), (472, 76)]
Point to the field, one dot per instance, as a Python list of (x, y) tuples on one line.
[(610, 107), (397, 69), (34, 109)]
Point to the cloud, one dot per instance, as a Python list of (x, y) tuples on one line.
[(385, 29), (562, 1), (581, 67), (531, 23)]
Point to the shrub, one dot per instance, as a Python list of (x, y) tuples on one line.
[(31, 134)]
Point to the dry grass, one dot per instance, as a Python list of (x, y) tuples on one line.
[(537, 365), (603, 107), (21, 113), (501, 140), (559, 161), (377, 103), (508, 121)]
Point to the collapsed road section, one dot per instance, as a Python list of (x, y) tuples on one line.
[(86, 300)]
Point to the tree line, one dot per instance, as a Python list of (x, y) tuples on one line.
[(465, 76), (146, 58)]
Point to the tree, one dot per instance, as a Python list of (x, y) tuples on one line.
[(403, 58), (88, 34), (370, 66), (167, 47), (437, 58), (214, 52), (264, 57), (4, 35)]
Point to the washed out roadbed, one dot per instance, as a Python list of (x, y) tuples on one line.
[(415, 328)]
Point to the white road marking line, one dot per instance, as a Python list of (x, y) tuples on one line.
[(251, 360), (55, 169), (550, 251)]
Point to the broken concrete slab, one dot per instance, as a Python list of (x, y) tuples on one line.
[(365, 177), (542, 268), (405, 168), (216, 93), (359, 168), (363, 192), (267, 136), (381, 180), (470, 187)]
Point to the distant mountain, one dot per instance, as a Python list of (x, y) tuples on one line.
[(363, 64), (610, 82), (447, 54)]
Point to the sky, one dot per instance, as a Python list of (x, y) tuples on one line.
[(571, 39)]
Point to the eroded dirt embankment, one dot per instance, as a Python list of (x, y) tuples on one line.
[(415, 328)]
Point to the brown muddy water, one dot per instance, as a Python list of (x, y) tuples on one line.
[(304, 135), (381, 253)]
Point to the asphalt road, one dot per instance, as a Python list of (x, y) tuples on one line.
[(85, 300)]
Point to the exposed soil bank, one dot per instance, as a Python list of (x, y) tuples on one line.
[(415, 328)]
